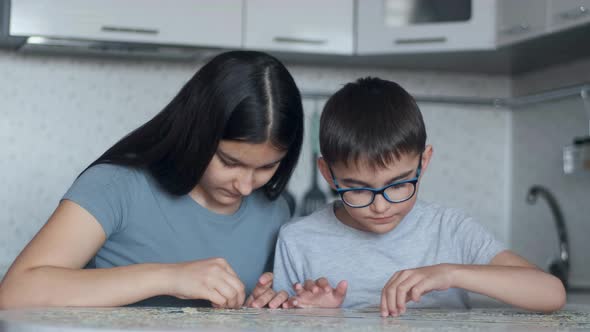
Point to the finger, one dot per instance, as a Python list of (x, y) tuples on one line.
[(237, 284), (324, 284), (403, 291), (265, 279), (232, 289), (279, 299), (390, 298), (292, 302), (287, 304), (249, 301), (420, 289), (298, 288), (263, 284), (340, 290), (384, 308), (217, 300), (264, 299), (416, 293), (310, 285), (393, 290)]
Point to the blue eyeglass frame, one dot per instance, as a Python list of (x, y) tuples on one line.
[(377, 191)]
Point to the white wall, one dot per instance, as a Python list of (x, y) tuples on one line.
[(57, 114)]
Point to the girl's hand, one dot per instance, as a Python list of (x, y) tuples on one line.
[(263, 294), (210, 279), (410, 285), (318, 294)]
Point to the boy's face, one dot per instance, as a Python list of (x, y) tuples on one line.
[(381, 216)]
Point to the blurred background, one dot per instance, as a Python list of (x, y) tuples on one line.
[(501, 85)]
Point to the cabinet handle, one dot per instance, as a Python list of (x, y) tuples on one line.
[(143, 31), (411, 41), (574, 13), (516, 29), (293, 40)]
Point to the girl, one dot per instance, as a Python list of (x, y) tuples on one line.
[(184, 207)]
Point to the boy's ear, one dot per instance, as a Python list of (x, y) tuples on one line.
[(325, 171), (427, 157)]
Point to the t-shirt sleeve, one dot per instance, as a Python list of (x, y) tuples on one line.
[(103, 191), (285, 274), (476, 245)]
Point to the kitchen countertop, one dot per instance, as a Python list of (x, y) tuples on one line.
[(573, 317)]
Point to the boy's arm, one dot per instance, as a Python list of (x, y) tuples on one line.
[(512, 279), (508, 278)]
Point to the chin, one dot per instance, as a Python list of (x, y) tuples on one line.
[(381, 227)]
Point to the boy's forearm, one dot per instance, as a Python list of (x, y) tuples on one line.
[(524, 287), (55, 286)]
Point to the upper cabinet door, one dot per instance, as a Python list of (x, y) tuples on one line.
[(215, 23), (309, 26), (521, 19), (565, 14), (401, 26)]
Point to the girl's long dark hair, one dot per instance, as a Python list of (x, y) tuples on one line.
[(241, 95)]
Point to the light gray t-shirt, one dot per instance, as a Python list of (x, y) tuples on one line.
[(320, 245), (145, 224)]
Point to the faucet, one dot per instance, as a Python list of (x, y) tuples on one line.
[(559, 267)]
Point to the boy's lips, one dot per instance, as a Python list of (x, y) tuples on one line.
[(383, 220)]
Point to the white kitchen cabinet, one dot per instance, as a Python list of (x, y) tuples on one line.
[(410, 26), (215, 23), (307, 26), (521, 20), (564, 14)]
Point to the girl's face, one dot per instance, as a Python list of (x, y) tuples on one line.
[(236, 170)]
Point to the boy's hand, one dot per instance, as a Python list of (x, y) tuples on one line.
[(264, 295), (318, 294), (409, 285)]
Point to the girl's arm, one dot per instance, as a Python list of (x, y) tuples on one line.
[(48, 272), (508, 278)]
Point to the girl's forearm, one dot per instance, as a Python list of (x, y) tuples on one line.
[(55, 286), (524, 287)]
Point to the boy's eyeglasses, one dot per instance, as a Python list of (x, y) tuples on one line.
[(396, 192)]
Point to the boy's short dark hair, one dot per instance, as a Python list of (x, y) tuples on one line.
[(371, 120)]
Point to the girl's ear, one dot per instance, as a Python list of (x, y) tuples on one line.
[(325, 171)]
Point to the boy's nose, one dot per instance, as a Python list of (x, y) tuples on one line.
[(380, 204)]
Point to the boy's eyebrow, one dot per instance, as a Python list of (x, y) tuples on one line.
[(231, 159), (350, 181)]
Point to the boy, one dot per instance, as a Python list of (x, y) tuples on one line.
[(390, 247)]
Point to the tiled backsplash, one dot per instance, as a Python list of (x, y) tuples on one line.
[(59, 113)]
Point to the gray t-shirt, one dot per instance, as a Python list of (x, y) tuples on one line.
[(145, 224), (321, 246)]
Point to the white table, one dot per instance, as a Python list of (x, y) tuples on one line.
[(572, 318)]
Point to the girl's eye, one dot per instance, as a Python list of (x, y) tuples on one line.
[(228, 165), (269, 166)]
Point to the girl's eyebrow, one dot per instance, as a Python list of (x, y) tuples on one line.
[(226, 157), (364, 184)]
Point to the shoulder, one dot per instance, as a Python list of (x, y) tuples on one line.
[(451, 222), (111, 173), (110, 181), (438, 213), (316, 222)]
